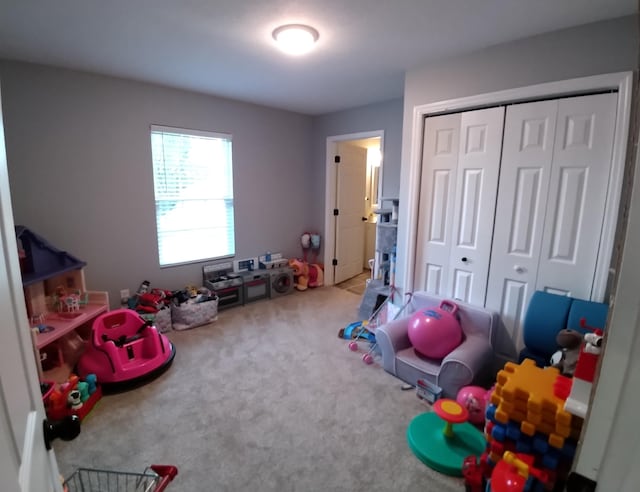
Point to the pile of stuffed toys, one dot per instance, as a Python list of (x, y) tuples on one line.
[(571, 345), (305, 273)]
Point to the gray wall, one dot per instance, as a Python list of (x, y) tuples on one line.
[(78, 149), (385, 116), (598, 48)]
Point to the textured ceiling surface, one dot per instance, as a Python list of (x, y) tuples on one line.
[(224, 47)]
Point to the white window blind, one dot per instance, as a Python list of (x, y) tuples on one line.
[(193, 182)]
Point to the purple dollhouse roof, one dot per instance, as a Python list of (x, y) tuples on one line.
[(42, 260)]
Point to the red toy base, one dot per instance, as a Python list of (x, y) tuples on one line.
[(81, 412)]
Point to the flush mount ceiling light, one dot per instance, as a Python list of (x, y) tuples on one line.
[(295, 39)]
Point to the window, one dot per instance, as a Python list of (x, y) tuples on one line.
[(193, 182)]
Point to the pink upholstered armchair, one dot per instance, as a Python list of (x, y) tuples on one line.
[(469, 363)]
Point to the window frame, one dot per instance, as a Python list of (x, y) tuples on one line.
[(188, 132)]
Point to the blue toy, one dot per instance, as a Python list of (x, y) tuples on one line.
[(92, 382), (83, 388), (357, 330), (365, 330)]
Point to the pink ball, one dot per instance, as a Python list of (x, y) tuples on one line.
[(434, 332), (474, 399)]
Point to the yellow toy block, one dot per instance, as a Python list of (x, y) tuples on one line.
[(528, 428), (556, 441), (524, 394), (502, 416)]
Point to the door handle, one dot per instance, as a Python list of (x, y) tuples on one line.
[(66, 429), (364, 219), (519, 269), (464, 259)]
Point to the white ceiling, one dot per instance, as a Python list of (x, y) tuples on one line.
[(224, 47)]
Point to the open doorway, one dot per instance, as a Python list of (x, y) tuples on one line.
[(354, 170)]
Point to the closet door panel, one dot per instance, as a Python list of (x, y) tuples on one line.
[(519, 222), (475, 199), (577, 194), (439, 172)]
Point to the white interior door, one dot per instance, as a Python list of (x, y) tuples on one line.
[(475, 199), (351, 218), (577, 194), (525, 172), (25, 464), (437, 193)]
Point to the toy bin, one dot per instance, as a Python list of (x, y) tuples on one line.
[(161, 320), (57, 404), (190, 315)]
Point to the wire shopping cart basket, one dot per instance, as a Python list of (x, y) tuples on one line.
[(154, 479)]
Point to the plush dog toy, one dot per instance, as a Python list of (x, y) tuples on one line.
[(570, 342), (300, 273), (316, 275)]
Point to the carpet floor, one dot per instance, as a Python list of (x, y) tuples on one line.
[(267, 398)]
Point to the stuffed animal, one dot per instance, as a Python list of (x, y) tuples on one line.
[(570, 342), (300, 273), (316, 275), (593, 342), (305, 241)]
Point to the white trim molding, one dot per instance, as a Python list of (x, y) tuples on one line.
[(609, 449), (330, 194)]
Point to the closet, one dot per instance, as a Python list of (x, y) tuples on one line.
[(512, 200)]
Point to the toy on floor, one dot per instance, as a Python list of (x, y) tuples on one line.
[(125, 350), (365, 330), (357, 331), (438, 444), (474, 399), (300, 273), (308, 273), (73, 397), (427, 391), (316, 275), (516, 473)]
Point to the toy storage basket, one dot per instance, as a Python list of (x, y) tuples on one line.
[(189, 315), (161, 320), (155, 479)]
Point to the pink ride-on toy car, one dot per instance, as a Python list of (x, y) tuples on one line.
[(125, 350)]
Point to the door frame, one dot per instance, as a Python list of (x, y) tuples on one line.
[(620, 82), (331, 192), (30, 464), (608, 450)]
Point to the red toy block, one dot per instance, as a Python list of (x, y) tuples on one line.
[(586, 366), (562, 387)]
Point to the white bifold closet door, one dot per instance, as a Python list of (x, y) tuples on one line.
[(550, 210), (524, 190), (508, 211), (461, 162)]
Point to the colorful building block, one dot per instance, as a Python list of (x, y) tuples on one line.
[(525, 394)]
